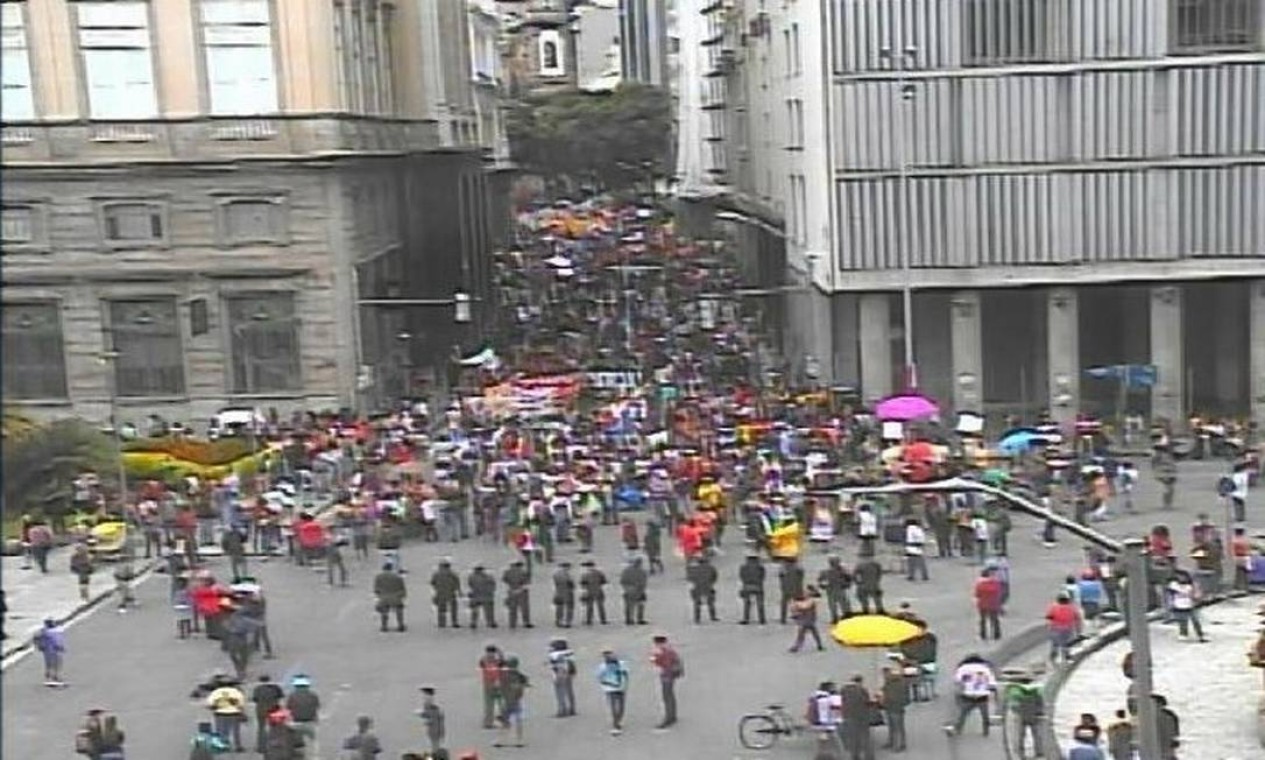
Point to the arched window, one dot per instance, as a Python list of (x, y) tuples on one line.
[(549, 55)]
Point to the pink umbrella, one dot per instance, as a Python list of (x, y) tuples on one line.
[(906, 408)]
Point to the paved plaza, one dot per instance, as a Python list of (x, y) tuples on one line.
[(133, 664), (1210, 686)]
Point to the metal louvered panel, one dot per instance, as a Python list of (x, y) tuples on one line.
[(1219, 110)]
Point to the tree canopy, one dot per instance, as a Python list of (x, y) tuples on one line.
[(613, 140), (41, 463)]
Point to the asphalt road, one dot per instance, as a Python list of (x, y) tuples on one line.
[(133, 664)]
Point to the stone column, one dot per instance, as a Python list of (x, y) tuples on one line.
[(1256, 349), (967, 339), (875, 323), (1063, 348), (847, 359), (1168, 397)]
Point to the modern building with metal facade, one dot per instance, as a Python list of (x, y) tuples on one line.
[(643, 34), (199, 195), (1055, 184)]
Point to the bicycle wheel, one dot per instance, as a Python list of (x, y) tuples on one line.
[(757, 731)]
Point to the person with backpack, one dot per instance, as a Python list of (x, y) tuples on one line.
[(51, 643), (613, 677), (100, 738), (81, 565), (562, 666), (207, 744), (671, 667), (513, 689)]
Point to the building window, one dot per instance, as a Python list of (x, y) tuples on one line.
[(795, 54), (1215, 25), (264, 344), (20, 225), (17, 100), (240, 68), (1005, 31), (145, 338), (134, 224), (243, 221), (34, 357), (118, 67), (551, 63), (362, 41)]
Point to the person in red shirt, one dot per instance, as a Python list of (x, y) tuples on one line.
[(311, 537), (1062, 620), (1241, 550), (988, 596)]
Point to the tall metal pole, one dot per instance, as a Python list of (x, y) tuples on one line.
[(1140, 641), (109, 359), (906, 94)]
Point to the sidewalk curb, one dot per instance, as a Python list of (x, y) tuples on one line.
[(12, 651), (1055, 679)]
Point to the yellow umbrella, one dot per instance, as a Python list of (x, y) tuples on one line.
[(867, 631)]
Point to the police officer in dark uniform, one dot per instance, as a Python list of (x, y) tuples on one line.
[(447, 587), (791, 583), (702, 577), (593, 592), (517, 593), (634, 580), (563, 596), (751, 577), (482, 590), (834, 581)]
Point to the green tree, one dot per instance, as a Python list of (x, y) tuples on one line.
[(615, 140), (41, 463)]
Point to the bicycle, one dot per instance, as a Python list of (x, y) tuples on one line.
[(762, 730)]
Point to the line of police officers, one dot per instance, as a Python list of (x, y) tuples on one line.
[(835, 582)]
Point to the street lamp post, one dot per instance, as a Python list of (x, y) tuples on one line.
[(109, 359), (905, 91)]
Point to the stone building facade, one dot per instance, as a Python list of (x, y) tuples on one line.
[(200, 195)]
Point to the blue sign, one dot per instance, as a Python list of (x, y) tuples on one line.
[(1132, 375)]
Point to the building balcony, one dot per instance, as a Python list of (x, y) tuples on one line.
[(210, 139)]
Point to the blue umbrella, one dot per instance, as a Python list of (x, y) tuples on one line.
[(1019, 441)]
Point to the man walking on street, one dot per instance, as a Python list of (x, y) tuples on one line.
[(482, 590), (446, 587), (702, 578), (613, 677), (305, 713), (633, 580), (915, 551), (490, 677), (563, 596), (834, 581), (791, 584), (593, 593), (518, 593), (869, 580), (858, 706), (751, 577), (988, 595), (895, 700), (267, 696), (668, 662), (433, 719), (562, 668), (390, 591)]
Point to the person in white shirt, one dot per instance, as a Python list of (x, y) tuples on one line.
[(915, 550), (975, 683), (867, 529), (1183, 596), (982, 532), (827, 717), (1238, 494)]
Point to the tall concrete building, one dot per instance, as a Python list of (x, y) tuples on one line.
[(643, 35), (215, 202), (1011, 191)]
